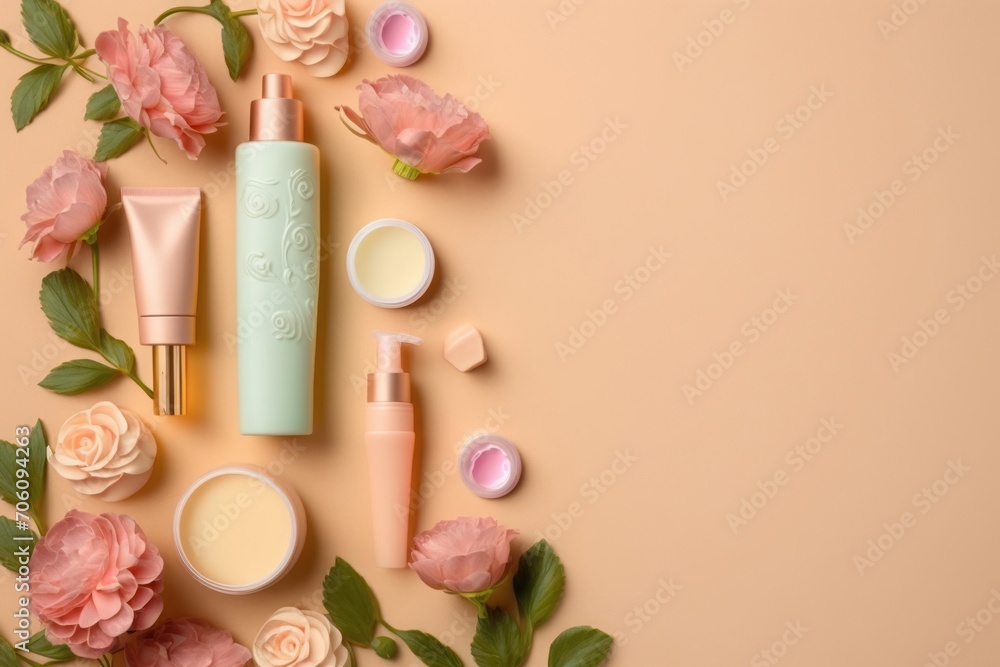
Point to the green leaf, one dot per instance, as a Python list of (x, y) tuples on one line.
[(68, 301), (32, 93), (39, 644), (13, 550), (4, 38), (103, 105), (49, 27), (117, 136), (117, 352), (236, 44), (539, 583), (430, 651), (8, 658), (8, 472), (582, 646), (499, 641), (36, 467), (350, 603), (77, 376)]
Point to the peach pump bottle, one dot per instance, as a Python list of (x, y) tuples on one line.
[(389, 441)]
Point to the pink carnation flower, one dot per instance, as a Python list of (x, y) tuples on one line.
[(161, 85), (94, 578), (462, 556), (63, 204), (185, 642), (427, 133)]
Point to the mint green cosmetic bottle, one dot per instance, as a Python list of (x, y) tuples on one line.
[(277, 265)]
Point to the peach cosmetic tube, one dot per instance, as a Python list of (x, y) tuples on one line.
[(389, 439), (164, 226)]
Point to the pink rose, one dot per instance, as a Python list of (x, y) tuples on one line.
[(104, 452), (296, 638), (185, 642), (161, 85), (426, 133), (63, 204), (462, 556), (313, 32), (94, 578)]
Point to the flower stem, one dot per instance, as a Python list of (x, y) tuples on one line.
[(350, 652), (149, 138), (142, 385), (24, 56), (95, 268), (83, 55), (245, 12), (81, 70), (178, 10), (39, 522), (406, 171)]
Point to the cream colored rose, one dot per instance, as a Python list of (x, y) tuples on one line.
[(313, 32), (296, 638), (104, 452)]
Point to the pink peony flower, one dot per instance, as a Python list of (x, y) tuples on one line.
[(462, 556), (313, 32), (185, 642), (161, 85), (94, 578), (426, 133), (296, 638), (105, 452), (63, 204)]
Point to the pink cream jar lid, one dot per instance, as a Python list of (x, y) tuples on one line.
[(397, 33)]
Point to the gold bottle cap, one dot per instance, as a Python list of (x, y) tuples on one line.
[(169, 379)]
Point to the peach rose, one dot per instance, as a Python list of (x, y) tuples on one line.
[(427, 133), (63, 204), (105, 452), (94, 578), (313, 32), (464, 556), (161, 85), (185, 642), (296, 638)]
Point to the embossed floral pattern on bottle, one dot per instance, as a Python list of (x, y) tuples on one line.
[(296, 270)]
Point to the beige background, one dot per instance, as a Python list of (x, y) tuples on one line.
[(651, 552)]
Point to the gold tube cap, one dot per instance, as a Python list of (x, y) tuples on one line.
[(169, 380)]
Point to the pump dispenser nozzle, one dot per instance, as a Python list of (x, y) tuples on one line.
[(389, 383)]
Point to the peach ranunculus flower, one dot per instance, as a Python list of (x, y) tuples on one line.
[(427, 134), (94, 578), (185, 642), (105, 452), (296, 638), (465, 556), (63, 204), (161, 85), (313, 32)]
